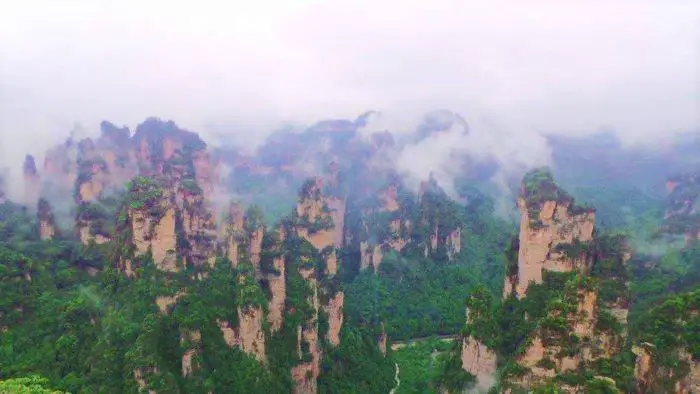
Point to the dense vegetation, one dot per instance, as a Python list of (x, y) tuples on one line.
[(72, 321)]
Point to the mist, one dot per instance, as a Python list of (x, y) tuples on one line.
[(513, 70)]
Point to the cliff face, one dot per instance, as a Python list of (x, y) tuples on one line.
[(251, 337), (551, 286), (553, 233), (683, 206), (478, 360), (666, 355), (319, 220), (47, 224)]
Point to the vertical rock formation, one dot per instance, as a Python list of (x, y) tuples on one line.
[(334, 309), (666, 356), (47, 224), (372, 250), (478, 360), (147, 224), (552, 228), (190, 340), (682, 206), (277, 285), (321, 225), (235, 232), (32, 180), (557, 241), (251, 337)]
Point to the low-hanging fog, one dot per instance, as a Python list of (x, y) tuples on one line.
[(236, 71)]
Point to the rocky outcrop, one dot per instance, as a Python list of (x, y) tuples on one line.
[(251, 337), (305, 374), (316, 221), (278, 295), (198, 228), (157, 235), (682, 206), (47, 224), (478, 360), (235, 232), (32, 180), (651, 377), (334, 309), (191, 341), (139, 377), (553, 236)]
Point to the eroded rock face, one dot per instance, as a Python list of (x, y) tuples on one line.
[(199, 228), (156, 235), (305, 374), (191, 340), (649, 376), (478, 360), (335, 317), (234, 232), (139, 374), (540, 245), (278, 291), (47, 225), (251, 337)]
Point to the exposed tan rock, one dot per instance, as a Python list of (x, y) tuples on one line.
[(690, 384), (538, 246), (389, 199), (199, 228), (192, 340), (643, 372), (234, 232), (256, 239), (534, 354), (454, 243), (478, 360), (86, 235), (139, 374), (335, 317), (228, 332), (305, 374), (157, 236), (165, 302), (337, 208), (251, 337), (278, 292), (315, 207), (587, 312), (47, 226)]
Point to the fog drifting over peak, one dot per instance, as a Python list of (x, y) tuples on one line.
[(512, 69)]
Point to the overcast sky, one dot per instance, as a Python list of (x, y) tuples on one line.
[(526, 66)]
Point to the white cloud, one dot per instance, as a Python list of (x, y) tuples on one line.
[(531, 66)]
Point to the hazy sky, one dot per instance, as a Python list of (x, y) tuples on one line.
[(525, 66)]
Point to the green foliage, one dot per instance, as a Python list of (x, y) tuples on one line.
[(26, 385), (425, 366), (357, 365), (144, 192), (538, 186)]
